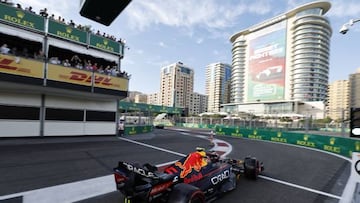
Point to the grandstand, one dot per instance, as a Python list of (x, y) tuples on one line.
[(57, 78)]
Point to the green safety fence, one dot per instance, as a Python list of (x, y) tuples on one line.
[(133, 130), (338, 145)]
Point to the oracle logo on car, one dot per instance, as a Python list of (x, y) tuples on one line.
[(220, 177), (138, 170), (79, 76)]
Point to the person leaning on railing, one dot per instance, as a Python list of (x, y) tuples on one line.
[(4, 49)]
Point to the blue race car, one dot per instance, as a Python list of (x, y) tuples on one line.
[(197, 178)]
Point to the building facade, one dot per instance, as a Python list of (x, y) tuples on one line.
[(338, 100), (285, 58), (153, 99), (141, 98), (198, 103), (354, 83), (218, 78), (176, 85)]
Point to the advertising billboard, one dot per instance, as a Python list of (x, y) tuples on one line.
[(266, 63)]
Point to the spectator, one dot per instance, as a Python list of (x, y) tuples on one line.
[(121, 127), (14, 51), (88, 65), (59, 19), (4, 49), (66, 63), (25, 52), (7, 2), (79, 27), (43, 13), (39, 55), (94, 67), (29, 9), (18, 6), (107, 70), (79, 66), (101, 69), (75, 60), (54, 60), (71, 23), (114, 72), (52, 17)]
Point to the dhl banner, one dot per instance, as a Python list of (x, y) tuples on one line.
[(69, 75), (110, 82), (21, 66), (82, 77)]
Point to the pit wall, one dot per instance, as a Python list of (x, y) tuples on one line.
[(334, 144)]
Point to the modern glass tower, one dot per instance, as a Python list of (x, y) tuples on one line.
[(285, 58), (218, 78)]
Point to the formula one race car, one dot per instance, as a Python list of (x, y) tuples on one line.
[(199, 177)]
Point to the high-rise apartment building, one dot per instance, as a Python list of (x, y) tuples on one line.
[(218, 78), (198, 103), (176, 85), (354, 82), (285, 58), (338, 100)]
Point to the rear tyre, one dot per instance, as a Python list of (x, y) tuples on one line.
[(251, 168), (185, 193)]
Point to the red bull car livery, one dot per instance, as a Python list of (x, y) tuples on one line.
[(199, 177)]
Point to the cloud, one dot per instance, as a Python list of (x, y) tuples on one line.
[(162, 44), (341, 9), (62, 8), (189, 13), (199, 41)]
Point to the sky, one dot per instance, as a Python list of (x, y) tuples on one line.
[(197, 32)]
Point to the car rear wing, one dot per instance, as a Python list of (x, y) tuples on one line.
[(147, 170)]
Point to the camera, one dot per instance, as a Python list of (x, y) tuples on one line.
[(344, 29)]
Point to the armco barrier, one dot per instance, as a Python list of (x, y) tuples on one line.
[(133, 130), (337, 145)]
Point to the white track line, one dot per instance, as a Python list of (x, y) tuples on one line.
[(85, 189), (300, 187)]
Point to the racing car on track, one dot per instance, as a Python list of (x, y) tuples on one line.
[(197, 178)]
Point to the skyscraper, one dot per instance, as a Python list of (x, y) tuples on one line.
[(218, 78), (283, 58), (176, 85)]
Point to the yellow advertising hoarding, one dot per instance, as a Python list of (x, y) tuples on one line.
[(21, 66), (110, 82), (82, 77), (68, 75)]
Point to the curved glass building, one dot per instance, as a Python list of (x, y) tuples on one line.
[(285, 58)]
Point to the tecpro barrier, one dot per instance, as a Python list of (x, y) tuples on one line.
[(334, 144)]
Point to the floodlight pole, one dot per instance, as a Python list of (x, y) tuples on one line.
[(345, 27)]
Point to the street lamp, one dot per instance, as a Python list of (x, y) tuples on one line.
[(345, 28)]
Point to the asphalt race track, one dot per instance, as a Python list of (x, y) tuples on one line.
[(292, 174)]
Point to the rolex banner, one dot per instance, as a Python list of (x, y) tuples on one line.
[(67, 32), (103, 43), (337, 145), (21, 18)]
